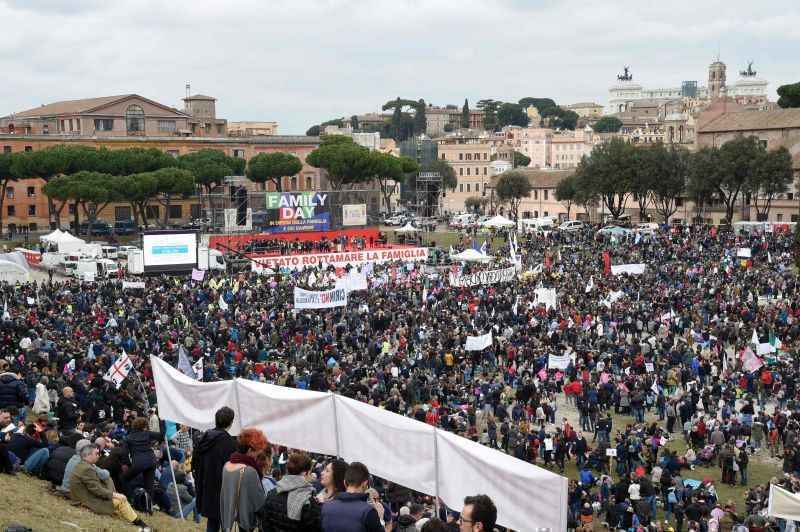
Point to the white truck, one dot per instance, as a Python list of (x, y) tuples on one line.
[(207, 259), (92, 269)]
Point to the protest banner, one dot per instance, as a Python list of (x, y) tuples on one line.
[(558, 361), (308, 299), (478, 343), (340, 260), (198, 275), (133, 285), (632, 269), (483, 278)]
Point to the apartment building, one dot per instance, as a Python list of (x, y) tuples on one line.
[(470, 158)]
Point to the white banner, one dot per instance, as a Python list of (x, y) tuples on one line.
[(132, 284), (744, 253), (353, 281), (558, 361), (633, 269), (478, 343), (400, 449), (484, 277), (325, 299), (340, 260), (546, 297), (355, 214)]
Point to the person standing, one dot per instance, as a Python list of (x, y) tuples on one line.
[(291, 505), (479, 514), (350, 511), (213, 450), (143, 459), (242, 494), (68, 411)]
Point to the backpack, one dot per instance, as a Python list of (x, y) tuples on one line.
[(142, 501)]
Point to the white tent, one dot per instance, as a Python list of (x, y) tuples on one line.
[(783, 504), (471, 255), (51, 237), (11, 272), (498, 221), (408, 228), (68, 244)]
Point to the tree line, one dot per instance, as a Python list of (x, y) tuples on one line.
[(93, 178), (658, 176)]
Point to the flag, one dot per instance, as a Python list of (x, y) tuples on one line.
[(197, 367), (512, 251), (516, 306), (90, 352), (754, 340), (312, 279), (750, 362), (484, 248), (589, 285), (606, 263), (6, 315), (424, 296), (769, 258), (638, 237), (655, 387), (184, 365), (222, 304), (119, 370), (69, 367), (775, 341)]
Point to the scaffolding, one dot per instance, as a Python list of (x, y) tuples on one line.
[(428, 194)]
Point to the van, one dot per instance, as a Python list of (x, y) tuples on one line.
[(571, 225)]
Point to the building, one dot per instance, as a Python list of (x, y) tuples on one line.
[(252, 129), (533, 142), (128, 115), (747, 90), (586, 109), (470, 158), (775, 129), (567, 148), (542, 201), (439, 120)]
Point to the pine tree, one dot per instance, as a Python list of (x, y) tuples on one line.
[(465, 115)]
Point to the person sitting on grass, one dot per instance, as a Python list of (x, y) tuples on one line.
[(87, 488)]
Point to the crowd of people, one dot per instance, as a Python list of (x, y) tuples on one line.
[(669, 373), (279, 246)]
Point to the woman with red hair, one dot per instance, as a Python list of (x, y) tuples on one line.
[(242, 492)]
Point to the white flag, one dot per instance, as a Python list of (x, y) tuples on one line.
[(119, 370), (6, 315), (198, 369), (424, 296), (222, 304), (590, 285)]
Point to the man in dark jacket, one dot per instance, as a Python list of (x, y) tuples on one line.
[(31, 453), (13, 394), (291, 505), (211, 452), (350, 511), (68, 411)]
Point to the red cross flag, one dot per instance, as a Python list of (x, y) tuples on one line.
[(119, 370)]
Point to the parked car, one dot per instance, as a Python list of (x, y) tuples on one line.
[(571, 225), (125, 227), (396, 220), (94, 229)]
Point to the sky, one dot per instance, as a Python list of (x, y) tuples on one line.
[(300, 62)]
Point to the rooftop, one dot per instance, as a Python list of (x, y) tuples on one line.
[(266, 139), (70, 106), (541, 178), (753, 120)]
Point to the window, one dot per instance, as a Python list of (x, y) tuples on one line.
[(175, 211), (31, 192), (536, 195), (238, 153), (545, 197), (468, 170), (134, 119), (309, 182), (28, 148), (467, 187), (469, 156), (461, 187), (45, 129), (10, 192), (545, 215), (484, 170), (790, 195), (294, 182), (33, 226), (196, 210), (12, 211), (443, 156), (167, 126), (795, 218), (152, 211), (6, 149), (460, 171), (679, 202), (103, 124), (31, 210), (62, 126), (460, 156)]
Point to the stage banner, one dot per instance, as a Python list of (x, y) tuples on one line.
[(325, 299), (355, 214), (478, 343), (341, 259), (296, 211), (483, 278)]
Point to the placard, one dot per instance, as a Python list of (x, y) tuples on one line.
[(355, 214), (611, 451), (483, 278), (649, 367), (325, 299)]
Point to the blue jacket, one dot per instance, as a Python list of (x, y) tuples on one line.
[(350, 512), (13, 393)]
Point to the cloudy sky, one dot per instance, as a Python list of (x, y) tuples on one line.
[(299, 62)]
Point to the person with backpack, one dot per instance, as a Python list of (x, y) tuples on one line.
[(291, 505), (143, 459)]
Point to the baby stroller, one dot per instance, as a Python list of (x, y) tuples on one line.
[(706, 455)]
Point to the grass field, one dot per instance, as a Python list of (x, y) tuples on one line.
[(28, 501)]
